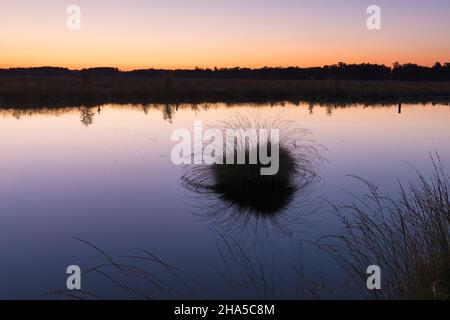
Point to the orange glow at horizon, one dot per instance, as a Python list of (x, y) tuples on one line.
[(140, 35)]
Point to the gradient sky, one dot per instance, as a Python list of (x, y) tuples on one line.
[(207, 33)]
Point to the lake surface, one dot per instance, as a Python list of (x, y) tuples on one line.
[(105, 175)]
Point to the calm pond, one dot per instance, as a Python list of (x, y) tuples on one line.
[(104, 175)]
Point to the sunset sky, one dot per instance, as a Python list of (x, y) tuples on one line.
[(207, 33)]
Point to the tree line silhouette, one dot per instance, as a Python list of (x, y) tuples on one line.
[(340, 71)]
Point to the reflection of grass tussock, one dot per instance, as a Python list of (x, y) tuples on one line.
[(239, 191), (247, 189), (408, 237)]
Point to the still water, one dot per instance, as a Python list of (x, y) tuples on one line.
[(104, 175)]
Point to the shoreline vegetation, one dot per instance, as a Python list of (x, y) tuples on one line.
[(26, 92), (340, 83), (407, 235)]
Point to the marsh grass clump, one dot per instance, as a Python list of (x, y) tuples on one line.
[(407, 236), (247, 189), (235, 194)]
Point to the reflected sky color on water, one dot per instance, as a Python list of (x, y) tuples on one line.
[(110, 180)]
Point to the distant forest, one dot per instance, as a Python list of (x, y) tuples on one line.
[(340, 71)]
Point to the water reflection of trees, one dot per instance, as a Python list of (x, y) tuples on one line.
[(87, 116), (169, 110)]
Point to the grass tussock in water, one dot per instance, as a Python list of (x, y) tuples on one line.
[(237, 195), (244, 185), (25, 92), (408, 237)]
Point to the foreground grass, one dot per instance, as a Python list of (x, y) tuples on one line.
[(23, 91), (244, 274), (407, 236)]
